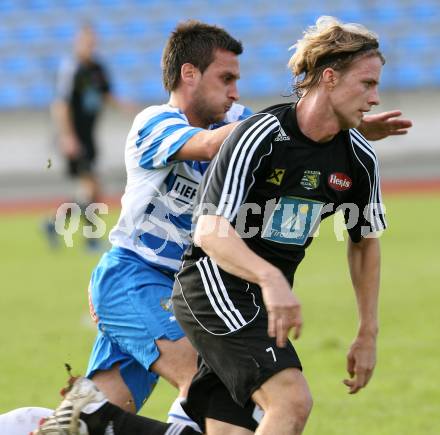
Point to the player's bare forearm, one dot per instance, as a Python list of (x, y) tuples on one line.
[(204, 145), (62, 117), (219, 240), (364, 263), (68, 139)]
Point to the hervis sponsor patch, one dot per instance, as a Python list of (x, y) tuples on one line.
[(339, 181)]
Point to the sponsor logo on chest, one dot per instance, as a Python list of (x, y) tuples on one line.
[(339, 181), (183, 189), (276, 176), (310, 179), (293, 220)]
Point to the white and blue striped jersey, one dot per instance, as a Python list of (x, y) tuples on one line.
[(155, 220)]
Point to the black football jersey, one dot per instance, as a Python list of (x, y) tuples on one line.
[(83, 86), (275, 185)]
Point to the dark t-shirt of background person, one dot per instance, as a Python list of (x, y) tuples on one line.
[(83, 87)]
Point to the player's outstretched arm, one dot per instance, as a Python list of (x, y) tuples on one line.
[(382, 125), (220, 241), (204, 145), (364, 264)]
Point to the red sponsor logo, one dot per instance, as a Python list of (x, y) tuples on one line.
[(339, 181)]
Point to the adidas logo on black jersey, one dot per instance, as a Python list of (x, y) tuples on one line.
[(282, 136)]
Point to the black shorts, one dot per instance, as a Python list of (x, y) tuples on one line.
[(209, 398), (225, 319)]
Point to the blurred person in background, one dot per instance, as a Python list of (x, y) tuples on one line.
[(82, 90)]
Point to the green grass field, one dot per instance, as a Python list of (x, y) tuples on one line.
[(44, 322)]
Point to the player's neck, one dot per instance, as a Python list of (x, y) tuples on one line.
[(316, 119), (184, 104)]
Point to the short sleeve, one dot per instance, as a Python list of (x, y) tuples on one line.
[(161, 136), (369, 208), (65, 79)]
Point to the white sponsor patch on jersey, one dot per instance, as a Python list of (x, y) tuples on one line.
[(183, 189)]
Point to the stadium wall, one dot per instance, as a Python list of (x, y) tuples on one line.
[(31, 166)]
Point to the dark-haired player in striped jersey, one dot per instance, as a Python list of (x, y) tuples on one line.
[(274, 178)]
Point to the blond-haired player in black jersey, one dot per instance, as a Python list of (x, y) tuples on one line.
[(275, 177)]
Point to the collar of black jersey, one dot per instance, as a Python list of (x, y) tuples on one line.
[(291, 122)]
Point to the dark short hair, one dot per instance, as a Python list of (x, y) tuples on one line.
[(194, 42)]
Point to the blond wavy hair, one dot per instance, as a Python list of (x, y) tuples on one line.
[(329, 43)]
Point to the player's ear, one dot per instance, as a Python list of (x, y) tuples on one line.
[(330, 78), (189, 73)]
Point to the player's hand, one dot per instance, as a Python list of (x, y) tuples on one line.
[(70, 146), (382, 125), (283, 308), (361, 360)]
